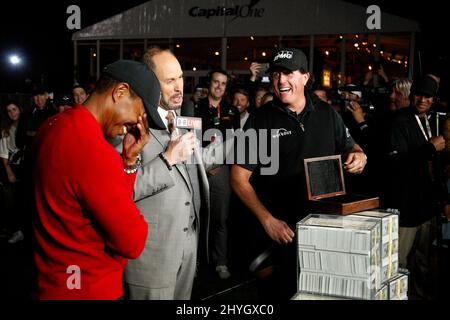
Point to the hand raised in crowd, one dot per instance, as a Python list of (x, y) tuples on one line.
[(356, 111), (255, 69), (278, 230), (368, 77), (438, 143), (383, 74), (355, 163), (134, 142), (380, 72), (180, 148)]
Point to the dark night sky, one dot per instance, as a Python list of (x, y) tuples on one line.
[(37, 30)]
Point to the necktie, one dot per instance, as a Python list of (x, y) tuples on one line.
[(170, 122)]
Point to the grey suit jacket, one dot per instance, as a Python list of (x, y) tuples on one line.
[(165, 198)]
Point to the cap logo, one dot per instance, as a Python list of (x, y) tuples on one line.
[(283, 55)]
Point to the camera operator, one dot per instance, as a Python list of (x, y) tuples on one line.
[(357, 113), (399, 97), (360, 118)]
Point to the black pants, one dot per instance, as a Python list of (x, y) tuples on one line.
[(12, 206), (281, 285)]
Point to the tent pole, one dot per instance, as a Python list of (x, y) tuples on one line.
[(98, 60), (223, 58), (343, 60), (412, 48), (121, 49), (311, 54), (75, 61)]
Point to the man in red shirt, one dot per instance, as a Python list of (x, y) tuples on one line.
[(87, 224)]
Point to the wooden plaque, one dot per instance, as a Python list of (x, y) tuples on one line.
[(326, 188), (324, 177)]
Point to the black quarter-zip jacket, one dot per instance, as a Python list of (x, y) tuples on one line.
[(317, 131)]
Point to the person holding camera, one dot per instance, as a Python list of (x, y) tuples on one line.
[(363, 127), (399, 97), (359, 126)]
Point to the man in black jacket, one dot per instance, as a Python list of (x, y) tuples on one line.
[(412, 150), (305, 127), (218, 114)]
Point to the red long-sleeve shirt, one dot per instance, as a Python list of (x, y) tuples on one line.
[(87, 224)]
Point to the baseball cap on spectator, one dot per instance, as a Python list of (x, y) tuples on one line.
[(143, 82), (289, 58), (426, 86), (38, 90)]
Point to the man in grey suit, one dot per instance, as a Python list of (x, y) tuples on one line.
[(170, 190)]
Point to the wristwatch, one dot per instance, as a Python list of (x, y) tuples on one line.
[(166, 162)]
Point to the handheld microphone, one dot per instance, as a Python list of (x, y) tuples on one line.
[(188, 121), (192, 124)]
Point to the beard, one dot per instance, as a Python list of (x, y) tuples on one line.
[(172, 104)]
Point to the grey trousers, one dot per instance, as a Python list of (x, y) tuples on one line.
[(182, 288), (420, 237), (414, 254)]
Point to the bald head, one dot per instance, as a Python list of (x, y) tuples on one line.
[(168, 71)]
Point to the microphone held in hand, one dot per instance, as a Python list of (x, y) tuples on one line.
[(192, 124)]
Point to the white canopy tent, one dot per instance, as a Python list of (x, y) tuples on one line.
[(239, 18)]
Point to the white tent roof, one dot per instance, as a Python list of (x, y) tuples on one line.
[(189, 19)]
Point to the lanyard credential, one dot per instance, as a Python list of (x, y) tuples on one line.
[(423, 129)]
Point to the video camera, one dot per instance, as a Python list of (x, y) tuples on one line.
[(346, 94)]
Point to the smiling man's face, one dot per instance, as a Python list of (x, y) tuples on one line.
[(289, 86)]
